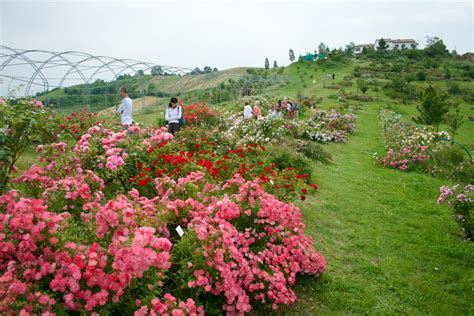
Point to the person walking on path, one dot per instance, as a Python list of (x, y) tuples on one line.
[(125, 108), (173, 114)]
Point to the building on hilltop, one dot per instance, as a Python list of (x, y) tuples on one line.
[(397, 43), (468, 56), (359, 49)]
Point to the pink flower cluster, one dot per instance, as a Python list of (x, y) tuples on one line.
[(405, 157), (170, 305), (259, 262), (36, 103), (30, 251)]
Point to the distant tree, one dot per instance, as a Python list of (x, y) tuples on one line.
[(292, 55), (435, 47), (322, 48), (156, 71), (300, 58), (196, 71), (275, 65), (350, 48), (382, 44), (215, 69), (140, 73), (151, 88), (267, 63), (207, 69), (433, 107)]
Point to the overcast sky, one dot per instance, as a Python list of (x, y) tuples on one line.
[(224, 34), (221, 34)]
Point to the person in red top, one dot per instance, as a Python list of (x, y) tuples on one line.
[(257, 112)]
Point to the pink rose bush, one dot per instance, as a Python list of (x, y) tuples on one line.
[(94, 228), (407, 146), (461, 200)]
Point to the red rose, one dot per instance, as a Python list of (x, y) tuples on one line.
[(303, 197)]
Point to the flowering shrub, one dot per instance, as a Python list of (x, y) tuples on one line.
[(69, 242), (22, 123), (408, 146), (323, 127), (250, 131), (76, 124), (198, 114), (461, 200), (329, 126)]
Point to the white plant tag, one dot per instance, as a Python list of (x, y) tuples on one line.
[(271, 181), (180, 231)]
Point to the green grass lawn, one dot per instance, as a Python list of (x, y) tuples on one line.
[(390, 248)]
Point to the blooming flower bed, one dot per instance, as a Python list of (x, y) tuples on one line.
[(199, 113), (461, 200), (324, 126), (132, 221), (407, 146)]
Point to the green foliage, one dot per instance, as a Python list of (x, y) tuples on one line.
[(454, 122), (362, 86), (446, 158), (421, 75), (382, 45), (267, 63), (453, 87), (287, 158), (23, 124), (399, 88), (313, 151), (435, 47), (433, 107)]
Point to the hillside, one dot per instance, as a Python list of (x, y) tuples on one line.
[(188, 83), (101, 95)]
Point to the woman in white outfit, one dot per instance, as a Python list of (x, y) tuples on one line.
[(173, 114), (247, 110), (125, 108)]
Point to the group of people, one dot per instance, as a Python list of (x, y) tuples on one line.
[(174, 112), (276, 112)]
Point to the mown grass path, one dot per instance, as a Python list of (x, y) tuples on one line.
[(389, 247)]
